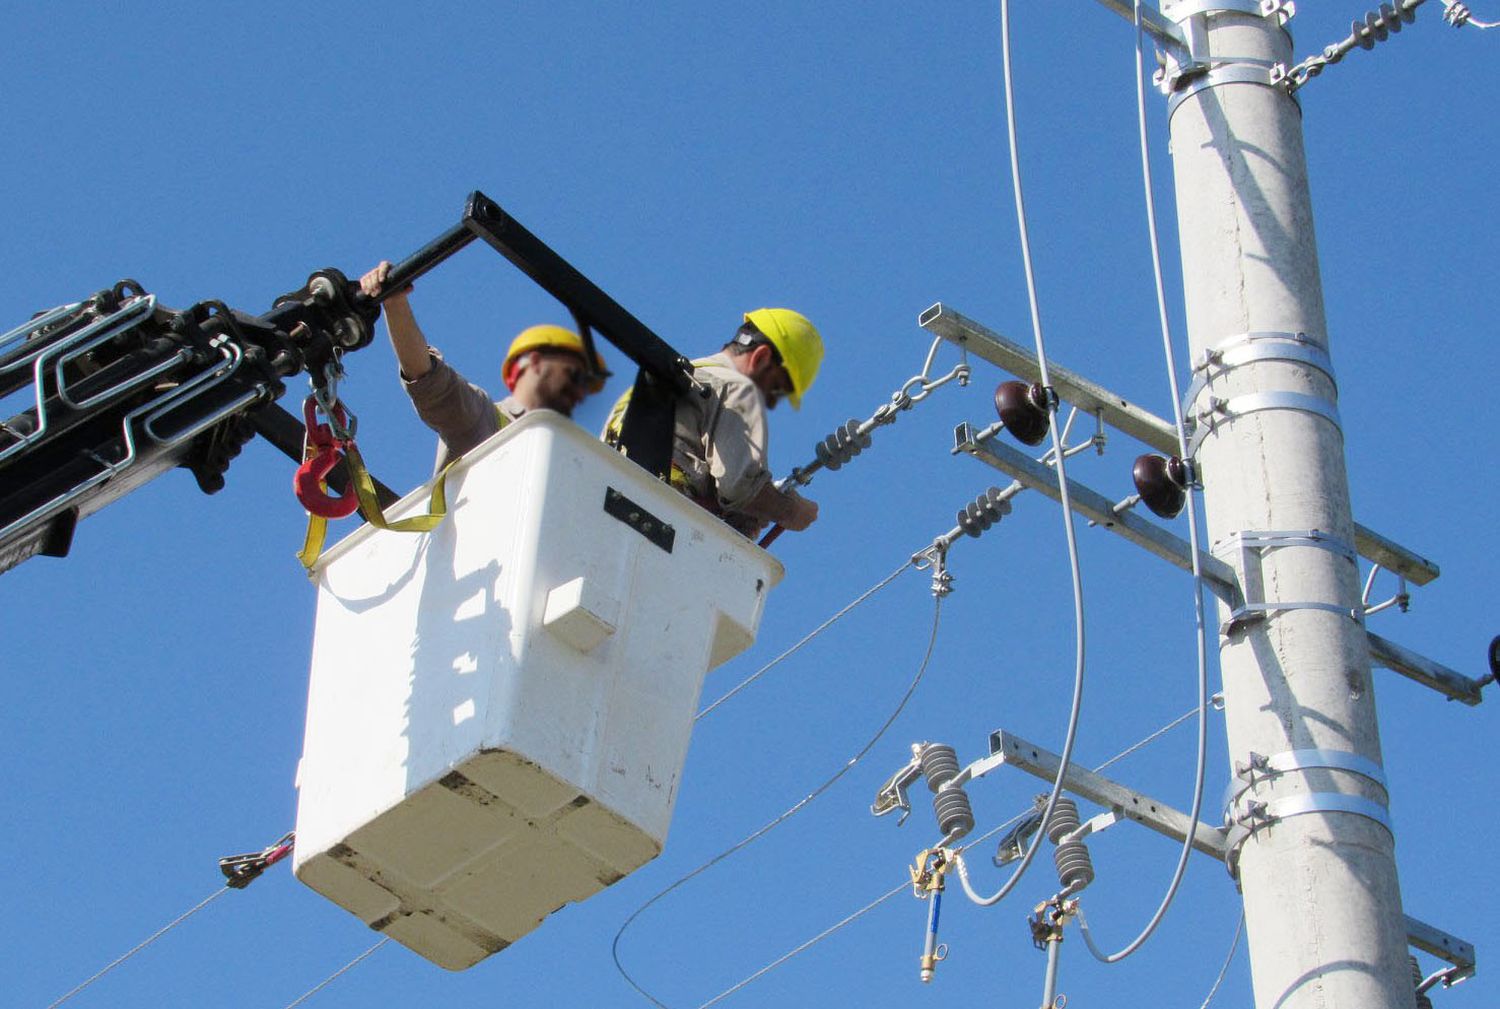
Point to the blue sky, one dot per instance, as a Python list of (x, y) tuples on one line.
[(697, 161)]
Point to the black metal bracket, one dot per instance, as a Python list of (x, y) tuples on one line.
[(648, 525)]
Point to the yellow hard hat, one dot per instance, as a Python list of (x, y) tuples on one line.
[(540, 337), (797, 341)]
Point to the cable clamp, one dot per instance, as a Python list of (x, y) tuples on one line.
[(1048, 918), (928, 870), (1205, 421), (1246, 348), (1259, 815), (1259, 768), (241, 870), (935, 558)]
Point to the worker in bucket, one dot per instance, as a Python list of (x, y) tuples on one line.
[(719, 443), (545, 369)]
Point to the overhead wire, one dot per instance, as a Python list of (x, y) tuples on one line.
[(1234, 944), (808, 637), (786, 815), (1064, 496), (138, 947), (1192, 514), (336, 975)]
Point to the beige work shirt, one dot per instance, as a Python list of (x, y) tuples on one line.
[(462, 414), (720, 443)]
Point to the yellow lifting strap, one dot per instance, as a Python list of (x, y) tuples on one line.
[(363, 488)]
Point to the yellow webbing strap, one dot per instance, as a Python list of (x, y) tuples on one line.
[(363, 487)]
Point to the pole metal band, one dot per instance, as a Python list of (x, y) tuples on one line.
[(1275, 539), (1242, 72), (1251, 612), (1204, 423), (1181, 10), (1297, 805), (1251, 347), (1300, 760), (1260, 540)]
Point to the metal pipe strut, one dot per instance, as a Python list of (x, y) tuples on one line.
[(1006, 748)]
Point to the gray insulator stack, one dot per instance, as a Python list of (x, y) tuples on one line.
[(984, 511), (843, 444), (1075, 869), (1423, 1002), (955, 816)]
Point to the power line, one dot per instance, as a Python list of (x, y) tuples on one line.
[(184, 916), (806, 945), (336, 975), (1234, 944), (810, 635), (1201, 764), (911, 689), (1064, 495)]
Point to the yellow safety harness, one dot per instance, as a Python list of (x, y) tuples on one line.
[(362, 486)]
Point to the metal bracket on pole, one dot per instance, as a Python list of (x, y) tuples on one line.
[(1238, 72), (1218, 411), (1221, 578), (1258, 815), (1448, 948), (1172, 823), (1247, 348), (1274, 539), (1259, 767), (1249, 542), (1127, 417)]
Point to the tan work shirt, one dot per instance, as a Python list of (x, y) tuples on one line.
[(462, 414), (720, 443)]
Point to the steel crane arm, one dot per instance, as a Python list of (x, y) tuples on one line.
[(117, 389)]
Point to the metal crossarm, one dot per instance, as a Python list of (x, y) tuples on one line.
[(1125, 416), (1009, 748)]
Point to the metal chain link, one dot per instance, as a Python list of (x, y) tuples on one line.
[(853, 437)]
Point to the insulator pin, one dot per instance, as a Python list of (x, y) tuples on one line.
[(1075, 869), (984, 511)]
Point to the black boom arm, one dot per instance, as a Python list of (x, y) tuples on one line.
[(118, 389)]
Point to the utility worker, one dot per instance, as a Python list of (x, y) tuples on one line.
[(544, 369), (719, 444)]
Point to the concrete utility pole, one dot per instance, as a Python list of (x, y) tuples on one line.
[(1317, 866)]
